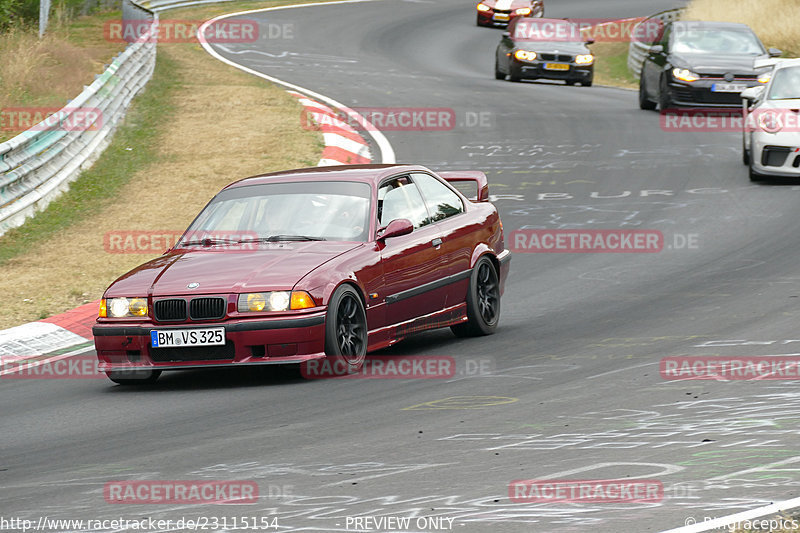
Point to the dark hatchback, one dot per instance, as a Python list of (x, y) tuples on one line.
[(703, 64), (552, 49)]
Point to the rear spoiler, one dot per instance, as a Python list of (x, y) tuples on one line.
[(475, 176)]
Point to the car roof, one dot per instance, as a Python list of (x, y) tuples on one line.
[(363, 173), (712, 25)]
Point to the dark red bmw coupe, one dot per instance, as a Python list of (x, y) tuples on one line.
[(328, 262)]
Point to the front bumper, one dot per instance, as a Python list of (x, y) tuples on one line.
[(776, 155), (283, 340), (699, 93), (495, 20), (536, 70)]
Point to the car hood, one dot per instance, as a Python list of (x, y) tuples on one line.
[(245, 268), (554, 47), (793, 103), (716, 64)]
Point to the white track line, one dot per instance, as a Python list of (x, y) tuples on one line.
[(733, 519), (387, 152)]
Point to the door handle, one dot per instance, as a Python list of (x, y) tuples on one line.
[(436, 242)]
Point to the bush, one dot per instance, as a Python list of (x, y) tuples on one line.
[(26, 12)]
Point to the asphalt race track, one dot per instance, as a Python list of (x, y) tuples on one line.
[(568, 388)]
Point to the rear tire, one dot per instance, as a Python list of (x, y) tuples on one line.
[(346, 330), (483, 301), (133, 377), (644, 102)]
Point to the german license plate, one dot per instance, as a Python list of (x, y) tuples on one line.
[(501, 16), (728, 87), (177, 338), (556, 66)]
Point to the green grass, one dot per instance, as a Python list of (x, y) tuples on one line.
[(134, 147), (611, 67)]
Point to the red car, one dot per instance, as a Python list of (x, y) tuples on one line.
[(328, 262), (498, 13)]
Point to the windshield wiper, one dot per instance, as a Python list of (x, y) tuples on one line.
[(278, 238), (209, 242)]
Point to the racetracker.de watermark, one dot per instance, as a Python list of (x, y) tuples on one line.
[(394, 119), (583, 29), (72, 367), (693, 119), (730, 368), (586, 241), (586, 491), (159, 241), (51, 118), (185, 31), (398, 367), (181, 492)]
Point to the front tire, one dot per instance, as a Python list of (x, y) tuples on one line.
[(664, 100), (346, 330), (133, 377), (644, 102), (483, 301), (498, 75), (745, 154), (754, 176)]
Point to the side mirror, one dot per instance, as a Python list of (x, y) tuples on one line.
[(656, 49), (753, 93), (396, 228), (775, 52), (589, 41), (506, 35)]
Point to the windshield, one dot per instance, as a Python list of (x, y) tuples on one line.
[(332, 211), (786, 84), (715, 41)]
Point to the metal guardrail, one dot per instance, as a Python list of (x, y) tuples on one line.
[(37, 165), (161, 5), (637, 50)]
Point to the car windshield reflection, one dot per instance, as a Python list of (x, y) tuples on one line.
[(297, 211)]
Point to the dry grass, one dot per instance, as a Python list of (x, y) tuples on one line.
[(53, 70), (226, 125), (777, 22)]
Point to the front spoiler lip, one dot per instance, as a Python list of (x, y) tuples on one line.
[(113, 330), (127, 366)]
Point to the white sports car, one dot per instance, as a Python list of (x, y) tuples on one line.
[(771, 136)]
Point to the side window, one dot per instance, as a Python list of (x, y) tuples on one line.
[(441, 201), (399, 198)]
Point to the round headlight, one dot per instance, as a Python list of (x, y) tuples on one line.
[(483, 7), (138, 307), (279, 301), (584, 59), (524, 55), (765, 77), (119, 307), (523, 11), (684, 74), (256, 302)]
